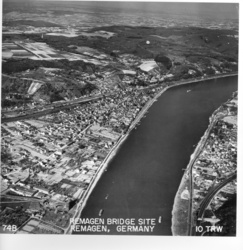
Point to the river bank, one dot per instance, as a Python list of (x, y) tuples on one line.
[(115, 149), (182, 214), (109, 157), (82, 203)]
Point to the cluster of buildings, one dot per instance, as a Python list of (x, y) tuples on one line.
[(55, 158), (27, 29), (217, 160), (35, 226)]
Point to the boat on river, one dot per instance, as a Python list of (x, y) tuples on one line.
[(101, 212)]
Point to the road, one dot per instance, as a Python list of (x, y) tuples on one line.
[(20, 198), (206, 201), (50, 110), (23, 78), (195, 157), (69, 104)]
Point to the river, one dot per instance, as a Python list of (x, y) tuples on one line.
[(143, 178)]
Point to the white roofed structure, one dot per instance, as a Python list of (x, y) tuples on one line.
[(128, 72), (148, 65)]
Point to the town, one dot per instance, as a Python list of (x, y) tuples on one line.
[(72, 95)]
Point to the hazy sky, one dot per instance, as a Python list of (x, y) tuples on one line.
[(225, 10), (211, 10)]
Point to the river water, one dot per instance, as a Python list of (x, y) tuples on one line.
[(143, 178)]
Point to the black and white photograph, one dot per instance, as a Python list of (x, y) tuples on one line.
[(119, 118)]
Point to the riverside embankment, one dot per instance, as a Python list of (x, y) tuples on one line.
[(139, 184), (182, 217)]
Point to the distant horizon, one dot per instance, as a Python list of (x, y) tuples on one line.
[(212, 10)]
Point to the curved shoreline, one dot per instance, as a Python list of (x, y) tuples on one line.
[(82, 203), (180, 211), (181, 221)]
